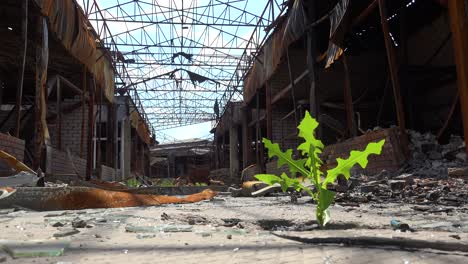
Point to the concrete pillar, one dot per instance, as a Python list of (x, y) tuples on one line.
[(216, 150), (125, 148), (247, 152), (233, 152)]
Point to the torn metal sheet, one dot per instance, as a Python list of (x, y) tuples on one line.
[(334, 52), (69, 24), (141, 127), (267, 61)]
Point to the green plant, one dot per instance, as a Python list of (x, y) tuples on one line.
[(166, 183), (309, 167), (200, 184), (132, 183)]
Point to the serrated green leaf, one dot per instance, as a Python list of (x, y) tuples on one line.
[(356, 157), (269, 179), (311, 144), (285, 158)]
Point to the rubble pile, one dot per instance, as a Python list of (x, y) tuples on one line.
[(430, 159), (435, 175)]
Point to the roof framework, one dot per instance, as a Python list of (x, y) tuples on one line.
[(178, 58)]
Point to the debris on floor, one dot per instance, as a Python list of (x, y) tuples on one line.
[(32, 249)]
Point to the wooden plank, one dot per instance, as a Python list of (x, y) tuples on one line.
[(458, 11)]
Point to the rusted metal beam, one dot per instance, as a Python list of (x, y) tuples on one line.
[(458, 12), (246, 138), (311, 64), (348, 100), (449, 116), (288, 88), (393, 68), (110, 136), (269, 118), (70, 85), (59, 115), (90, 156), (83, 113), (19, 90), (42, 58), (365, 13), (257, 130)]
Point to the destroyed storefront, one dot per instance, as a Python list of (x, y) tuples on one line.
[(366, 70), (57, 105), (182, 162)]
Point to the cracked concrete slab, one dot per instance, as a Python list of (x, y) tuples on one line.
[(239, 230)]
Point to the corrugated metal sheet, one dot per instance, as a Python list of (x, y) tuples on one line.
[(334, 52), (292, 28), (68, 23)]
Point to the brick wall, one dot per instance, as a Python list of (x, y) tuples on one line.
[(9, 125), (60, 164), (71, 126), (284, 132), (13, 146), (390, 159)]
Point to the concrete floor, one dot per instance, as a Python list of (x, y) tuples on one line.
[(229, 230)]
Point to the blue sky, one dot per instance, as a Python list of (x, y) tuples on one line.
[(156, 102)]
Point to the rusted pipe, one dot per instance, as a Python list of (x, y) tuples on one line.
[(19, 91)]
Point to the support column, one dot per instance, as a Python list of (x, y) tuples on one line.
[(59, 115), (269, 110), (393, 67), (83, 112), (233, 152), (458, 11), (311, 67), (348, 99), (247, 152), (216, 150), (90, 155), (110, 153), (19, 91), (42, 59)]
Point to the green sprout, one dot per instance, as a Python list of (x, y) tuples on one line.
[(309, 167)]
